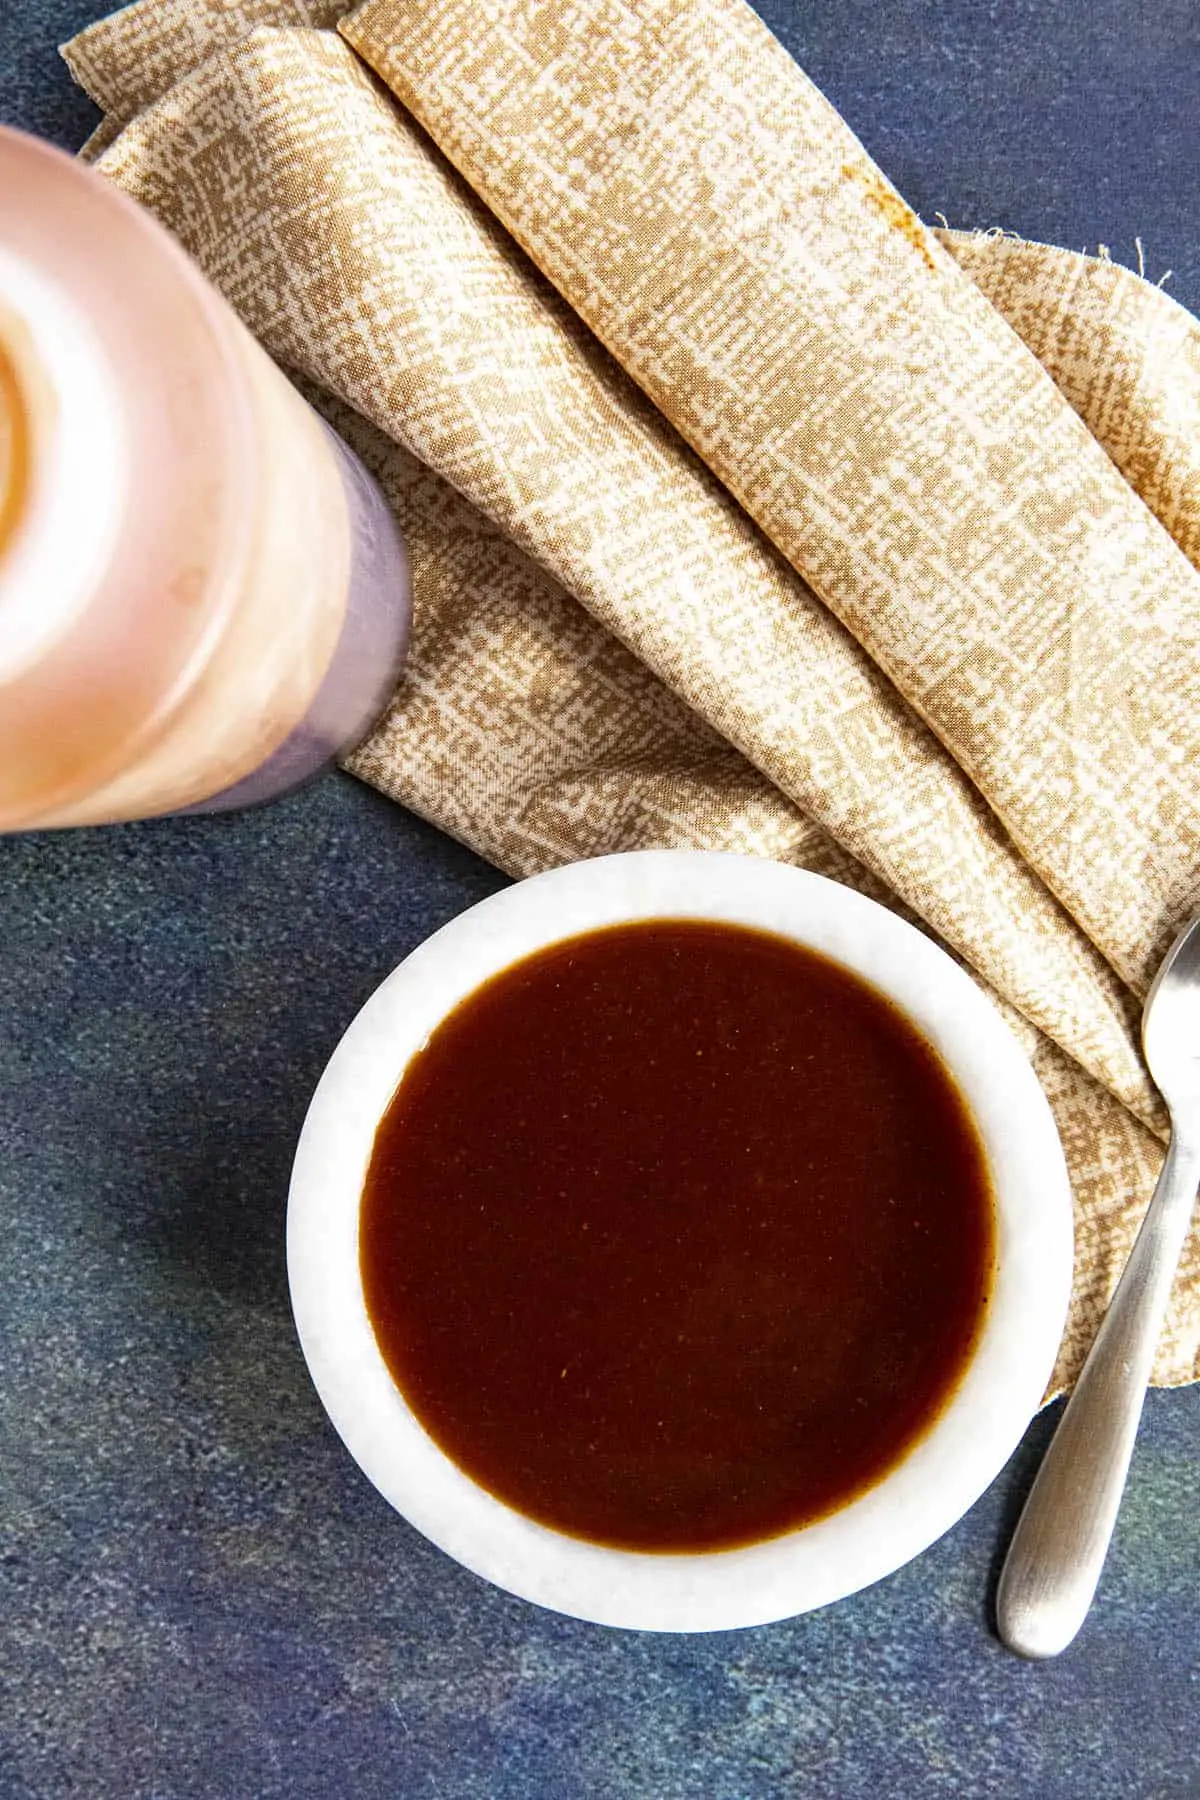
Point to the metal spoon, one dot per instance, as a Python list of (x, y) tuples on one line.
[(1058, 1550)]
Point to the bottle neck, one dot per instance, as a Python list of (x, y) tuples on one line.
[(182, 536), (139, 497), (14, 451), (63, 478)]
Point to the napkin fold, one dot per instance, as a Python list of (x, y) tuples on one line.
[(608, 652), (713, 219)]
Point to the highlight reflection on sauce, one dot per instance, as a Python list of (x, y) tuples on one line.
[(676, 1236)]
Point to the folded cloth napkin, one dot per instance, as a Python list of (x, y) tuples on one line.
[(913, 605)]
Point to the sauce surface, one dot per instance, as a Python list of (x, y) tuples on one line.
[(676, 1236)]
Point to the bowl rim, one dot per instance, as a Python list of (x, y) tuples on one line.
[(944, 1472)]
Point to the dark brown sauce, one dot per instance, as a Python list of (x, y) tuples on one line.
[(676, 1236)]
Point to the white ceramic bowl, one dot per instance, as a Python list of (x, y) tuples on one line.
[(945, 1471)]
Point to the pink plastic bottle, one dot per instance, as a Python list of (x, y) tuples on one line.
[(203, 596)]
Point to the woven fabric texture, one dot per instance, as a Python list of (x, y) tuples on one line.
[(609, 651)]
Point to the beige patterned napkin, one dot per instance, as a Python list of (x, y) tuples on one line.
[(608, 653)]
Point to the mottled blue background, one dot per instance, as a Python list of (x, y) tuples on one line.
[(199, 1596)]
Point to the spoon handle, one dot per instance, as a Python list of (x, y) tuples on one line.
[(1058, 1549)]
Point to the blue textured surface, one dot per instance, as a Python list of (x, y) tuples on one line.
[(1074, 122), (198, 1594)]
